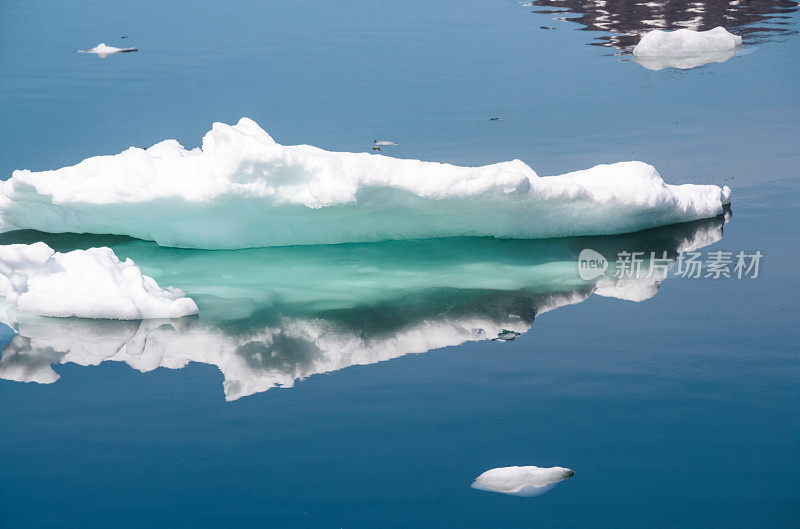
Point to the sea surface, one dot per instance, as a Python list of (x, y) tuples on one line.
[(367, 385)]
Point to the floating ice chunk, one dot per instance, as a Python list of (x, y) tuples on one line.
[(686, 43), (241, 189), (521, 481), (93, 283), (103, 51)]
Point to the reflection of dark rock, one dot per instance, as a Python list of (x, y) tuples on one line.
[(23, 363), (627, 21), (385, 319), (286, 354), (506, 336)]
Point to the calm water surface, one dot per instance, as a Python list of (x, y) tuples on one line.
[(677, 410)]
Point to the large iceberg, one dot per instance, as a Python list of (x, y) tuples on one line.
[(93, 283), (241, 189), (685, 48), (288, 313), (521, 481)]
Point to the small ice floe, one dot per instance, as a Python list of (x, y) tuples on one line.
[(506, 336), (495, 119), (383, 143), (521, 481), (93, 283), (103, 51), (685, 48)]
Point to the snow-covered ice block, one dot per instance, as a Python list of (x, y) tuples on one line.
[(521, 481), (93, 283), (242, 189), (685, 42)]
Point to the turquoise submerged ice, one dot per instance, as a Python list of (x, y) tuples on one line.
[(242, 189)]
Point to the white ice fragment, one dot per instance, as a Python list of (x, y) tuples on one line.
[(93, 283), (685, 42), (521, 481), (102, 50)]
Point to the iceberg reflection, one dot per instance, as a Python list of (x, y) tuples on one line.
[(272, 316), (625, 22), (686, 62)]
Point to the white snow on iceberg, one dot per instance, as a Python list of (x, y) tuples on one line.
[(242, 189), (93, 283), (521, 481), (685, 48)]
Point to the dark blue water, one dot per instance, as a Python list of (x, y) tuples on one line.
[(677, 411)]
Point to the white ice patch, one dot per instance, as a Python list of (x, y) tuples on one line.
[(683, 47), (241, 189), (102, 50), (93, 283), (521, 481)]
